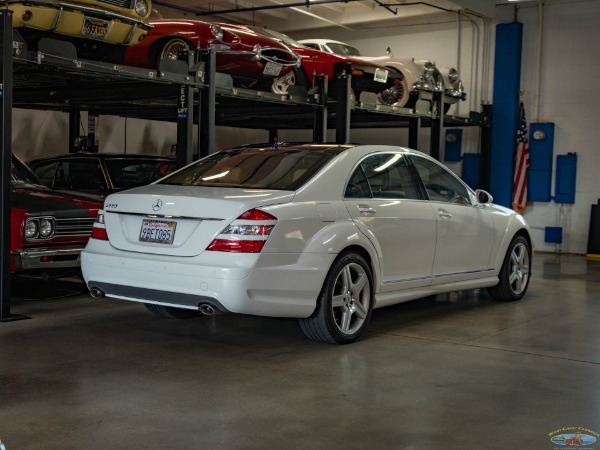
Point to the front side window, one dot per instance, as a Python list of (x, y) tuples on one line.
[(439, 182), (384, 175)]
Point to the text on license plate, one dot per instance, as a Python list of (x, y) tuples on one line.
[(95, 28), (272, 68), (381, 75), (158, 231)]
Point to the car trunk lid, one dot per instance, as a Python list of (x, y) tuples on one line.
[(178, 220)]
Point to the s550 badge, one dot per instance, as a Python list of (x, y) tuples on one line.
[(110, 206)]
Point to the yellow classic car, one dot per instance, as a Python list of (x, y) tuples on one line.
[(104, 21)]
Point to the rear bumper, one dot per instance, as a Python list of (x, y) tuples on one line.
[(68, 19), (47, 258), (275, 285)]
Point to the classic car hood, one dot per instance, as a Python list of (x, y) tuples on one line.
[(49, 203)]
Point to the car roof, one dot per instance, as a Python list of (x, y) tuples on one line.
[(321, 41), (101, 156)]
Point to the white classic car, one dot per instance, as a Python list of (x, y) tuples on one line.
[(421, 77), (319, 232)]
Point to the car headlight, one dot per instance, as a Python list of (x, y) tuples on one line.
[(31, 229), (141, 7), (217, 32), (429, 67), (453, 75), (46, 228)]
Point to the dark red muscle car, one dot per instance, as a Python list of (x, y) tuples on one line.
[(48, 228)]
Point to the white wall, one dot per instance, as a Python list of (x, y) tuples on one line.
[(569, 96)]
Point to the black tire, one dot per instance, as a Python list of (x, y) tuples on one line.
[(345, 303), (169, 49), (296, 77), (170, 312), (515, 272)]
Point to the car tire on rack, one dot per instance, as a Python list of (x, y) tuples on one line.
[(170, 312), (345, 303), (169, 49), (515, 272), (295, 77)]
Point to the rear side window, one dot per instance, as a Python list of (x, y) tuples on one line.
[(280, 169), (385, 175)]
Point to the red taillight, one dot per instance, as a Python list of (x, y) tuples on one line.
[(230, 245), (247, 234), (99, 233)]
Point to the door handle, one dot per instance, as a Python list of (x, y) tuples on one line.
[(444, 214), (366, 210)]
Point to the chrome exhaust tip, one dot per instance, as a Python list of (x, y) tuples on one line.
[(206, 309), (96, 293)]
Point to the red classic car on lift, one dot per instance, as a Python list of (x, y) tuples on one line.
[(48, 228), (241, 52), (372, 78)]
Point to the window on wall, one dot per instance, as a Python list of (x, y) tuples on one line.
[(384, 175), (441, 184)]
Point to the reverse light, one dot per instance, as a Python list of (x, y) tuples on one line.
[(246, 234), (99, 230)]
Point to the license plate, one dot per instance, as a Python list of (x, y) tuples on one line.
[(95, 28), (158, 231), (381, 75), (272, 68)]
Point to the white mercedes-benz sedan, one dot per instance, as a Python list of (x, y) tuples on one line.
[(320, 232)]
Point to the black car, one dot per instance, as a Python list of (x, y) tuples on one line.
[(100, 173)]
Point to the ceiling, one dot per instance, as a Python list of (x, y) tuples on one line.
[(292, 15)]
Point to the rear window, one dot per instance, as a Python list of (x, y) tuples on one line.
[(271, 168)]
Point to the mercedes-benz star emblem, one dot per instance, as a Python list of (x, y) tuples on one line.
[(157, 204)]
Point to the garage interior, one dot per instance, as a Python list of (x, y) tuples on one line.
[(451, 371)]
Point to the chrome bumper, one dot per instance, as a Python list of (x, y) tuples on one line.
[(47, 258)]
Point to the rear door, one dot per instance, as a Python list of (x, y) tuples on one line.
[(384, 200)]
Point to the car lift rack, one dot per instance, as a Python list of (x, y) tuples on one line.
[(189, 93)]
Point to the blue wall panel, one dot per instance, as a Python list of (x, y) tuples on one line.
[(539, 178), (566, 177), (507, 79)]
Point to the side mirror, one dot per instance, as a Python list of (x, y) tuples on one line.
[(483, 196)]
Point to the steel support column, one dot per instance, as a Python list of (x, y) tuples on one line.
[(74, 121), (437, 123), (320, 120), (185, 125), (486, 145), (6, 92), (343, 78), (207, 104), (414, 133)]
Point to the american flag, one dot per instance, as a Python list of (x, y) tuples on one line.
[(519, 199)]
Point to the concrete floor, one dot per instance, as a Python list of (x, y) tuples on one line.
[(450, 372)]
